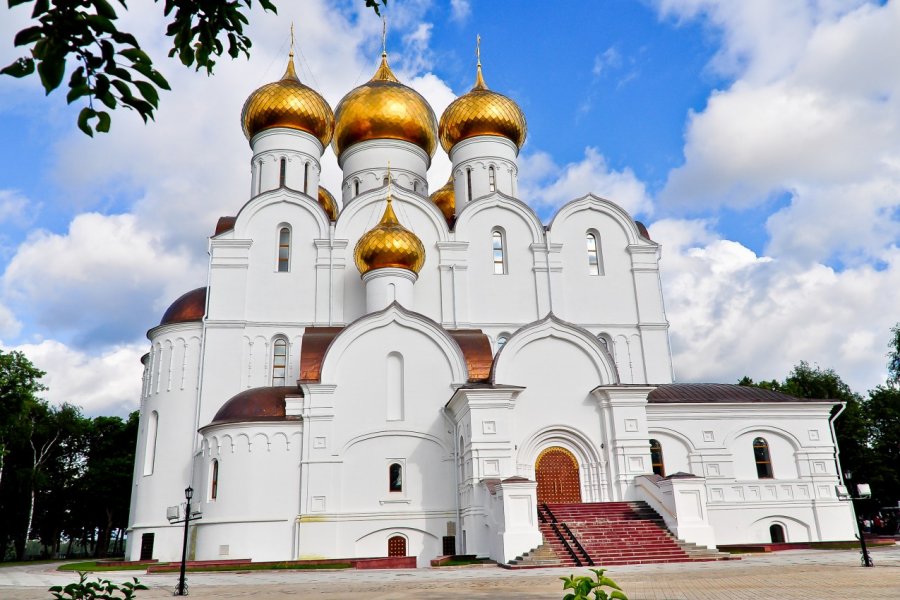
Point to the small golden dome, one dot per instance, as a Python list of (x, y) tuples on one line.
[(326, 200), (288, 103), (445, 199), (384, 108), (389, 244), (482, 112)]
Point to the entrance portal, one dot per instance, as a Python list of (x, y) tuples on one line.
[(556, 472)]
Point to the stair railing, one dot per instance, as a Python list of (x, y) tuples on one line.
[(562, 538), (578, 545)]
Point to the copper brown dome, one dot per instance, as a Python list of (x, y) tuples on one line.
[(188, 307), (256, 404)]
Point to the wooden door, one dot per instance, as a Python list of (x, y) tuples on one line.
[(397, 546), (556, 471)]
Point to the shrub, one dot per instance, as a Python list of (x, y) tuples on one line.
[(582, 587), (91, 590)]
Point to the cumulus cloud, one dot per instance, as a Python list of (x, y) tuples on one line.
[(734, 313), (103, 281), (460, 10), (809, 113), (546, 186), (108, 383)]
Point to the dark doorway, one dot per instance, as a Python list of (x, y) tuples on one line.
[(776, 532), (147, 546)]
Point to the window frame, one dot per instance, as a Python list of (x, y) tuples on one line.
[(282, 172), (492, 179), (656, 452), (501, 267), (395, 483), (278, 342), (468, 184), (214, 480), (285, 261), (764, 468), (595, 268)]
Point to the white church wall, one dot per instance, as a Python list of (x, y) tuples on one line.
[(511, 297), (365, 167), (165, 435), (250, 515)]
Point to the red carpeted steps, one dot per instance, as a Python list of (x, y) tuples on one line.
[(609, 533)]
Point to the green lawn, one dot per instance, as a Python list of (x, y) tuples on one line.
[(92, 566), (270, 567), (25, 563)]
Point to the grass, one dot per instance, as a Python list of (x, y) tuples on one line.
[(456, 563), (92, 566), (25, 563), (271, 567)]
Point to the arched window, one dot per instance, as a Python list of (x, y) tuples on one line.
[(595, 262), (415, 186), (214, 480), (397, 546), (355, 188), (385, 180), (776, 532), (492, 179), (763, 461), (499, 248), (284, 250), (282, 173), (656, 458), (306, 178), (150, 445), (279, 362), (395, 478), (469, 184), (501, 341)]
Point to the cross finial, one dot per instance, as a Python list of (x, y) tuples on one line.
[(384, 35), (478, 48), (292, 39), (390, 181)]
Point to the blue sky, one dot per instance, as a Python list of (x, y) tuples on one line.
[(758, 140)]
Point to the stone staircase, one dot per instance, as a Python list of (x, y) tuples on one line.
[(606, 534)]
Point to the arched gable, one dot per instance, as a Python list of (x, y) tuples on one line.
[(404, 200), (498, 200), (652, 427), (591, 202), (247, 213), (393, 314), (553, 327), (763, 429), (565, 436)]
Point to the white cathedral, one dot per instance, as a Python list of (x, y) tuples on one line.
[(405, 374)]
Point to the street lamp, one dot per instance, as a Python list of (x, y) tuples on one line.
[(861, 494), (181, 588)]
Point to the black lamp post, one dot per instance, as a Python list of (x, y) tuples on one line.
[(866, 559), (181, 588)]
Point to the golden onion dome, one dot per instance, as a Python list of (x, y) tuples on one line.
[(328, 203), (288, 103), (482, 112), (389, 244), (384, 108), (445, 199)]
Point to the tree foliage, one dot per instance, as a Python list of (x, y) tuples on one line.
[(108, 68)]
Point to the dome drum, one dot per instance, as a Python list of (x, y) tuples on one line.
[(366, 162)]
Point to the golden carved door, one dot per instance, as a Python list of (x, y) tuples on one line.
[(556, 471)]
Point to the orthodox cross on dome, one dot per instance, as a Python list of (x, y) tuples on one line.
[(478, 48), (479, 78), (291, 53), (384, 35), (389, 182)]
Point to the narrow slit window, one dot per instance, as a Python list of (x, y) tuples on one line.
[(415, 186), (593, 252), (763, 459), (150, 445), (214, 480), (395, 478), (284, 250), (306, 178), (469, 184), (282, 173), (279, 362), (492, 180), (499, 253), (356, 188), (656, 458), (501, 341)]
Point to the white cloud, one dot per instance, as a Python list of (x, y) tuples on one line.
[(810, 114), (104, 281), (545, 185), (460, 10), (609, 58), (105, 384), (733, 313)]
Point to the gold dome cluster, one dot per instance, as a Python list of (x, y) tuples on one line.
[(288, 103), (389, 244), (445, 199), (384, 108), (482, 112)]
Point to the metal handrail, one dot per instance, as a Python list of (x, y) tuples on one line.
[(562, 538), (578, 544)]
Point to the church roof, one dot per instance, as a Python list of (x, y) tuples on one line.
[(256, 404), (475, 346), (188, 307), (702, 393)]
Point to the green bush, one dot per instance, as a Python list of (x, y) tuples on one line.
[(582, 587), (95, 590)]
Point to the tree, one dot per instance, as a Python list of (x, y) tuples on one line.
[(19, 382), (108, 67)]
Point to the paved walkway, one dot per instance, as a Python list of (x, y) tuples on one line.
[(797, 574)]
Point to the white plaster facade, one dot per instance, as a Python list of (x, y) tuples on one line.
[(582, 357)]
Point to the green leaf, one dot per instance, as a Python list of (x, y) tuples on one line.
[(51, 72), (28, 35), (105, 9), (19, 68), (135, 55), (617, 595), (83, 117), (148, 92)]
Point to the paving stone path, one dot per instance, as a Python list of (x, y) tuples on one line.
[(794, 575)]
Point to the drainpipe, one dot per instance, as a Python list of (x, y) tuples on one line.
[(837, 450)]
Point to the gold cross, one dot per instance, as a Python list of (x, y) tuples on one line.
[(478, 48), (383, 34), (292, 38)]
